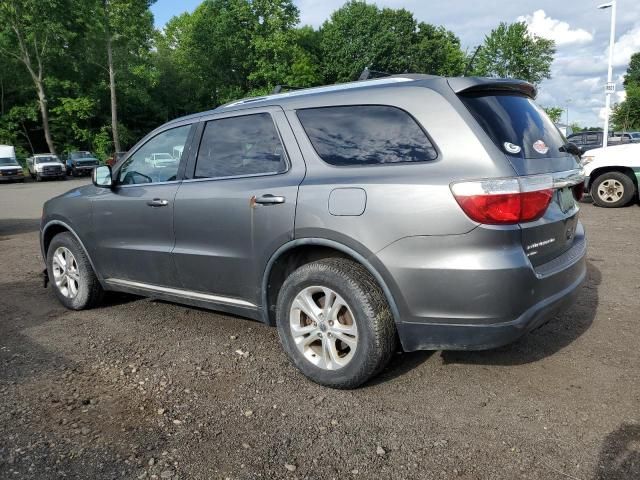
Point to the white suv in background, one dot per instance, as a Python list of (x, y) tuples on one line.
[(612, 174)]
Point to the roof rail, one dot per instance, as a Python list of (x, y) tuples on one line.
[(367, 74), (279, 88)]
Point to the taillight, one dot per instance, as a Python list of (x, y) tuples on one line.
[(505, 201)]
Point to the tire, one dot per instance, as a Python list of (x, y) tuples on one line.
[(363, 306), (612, 190), (88, 291)]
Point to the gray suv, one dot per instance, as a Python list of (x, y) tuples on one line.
[(439, 213)]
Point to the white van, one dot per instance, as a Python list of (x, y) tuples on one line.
[(10, 169)]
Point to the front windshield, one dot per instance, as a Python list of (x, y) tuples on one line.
[(82, 155), (635, 135), (7, 161), (46, 159)]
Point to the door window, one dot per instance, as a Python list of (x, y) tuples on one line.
[(240, 146), (157, 160)]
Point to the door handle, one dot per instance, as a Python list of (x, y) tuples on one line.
[(158, 202), (269, 199)]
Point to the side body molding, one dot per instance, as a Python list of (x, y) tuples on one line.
[(322, 242)]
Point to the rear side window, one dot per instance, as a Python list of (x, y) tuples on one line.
[(365, 135), (577, 139), (240, 146), (516, 124)]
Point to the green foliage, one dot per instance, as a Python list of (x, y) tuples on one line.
[(222, 51), (360, 35), (554, 113), (626, 115), (511, 51)]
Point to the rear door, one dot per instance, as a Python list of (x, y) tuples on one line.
[(533, 146), (238, 206)]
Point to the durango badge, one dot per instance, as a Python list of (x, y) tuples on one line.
[(540, 147)]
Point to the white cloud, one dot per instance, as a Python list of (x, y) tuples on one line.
[(560, 32), (625, 46)]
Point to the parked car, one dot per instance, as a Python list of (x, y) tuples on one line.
[(10, 169), (588, 140), (627, 137), (162, 160), (613, 174), (45, 165), (436, 211), (81, 163)]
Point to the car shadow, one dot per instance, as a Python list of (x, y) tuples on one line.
[(619, 457), (399, 365), (11, 226), (548, 339)]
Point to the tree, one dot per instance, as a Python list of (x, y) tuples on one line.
[(626, 114), (511, 51), (34, 32), (123, 28), (360, 35), (554, 113)]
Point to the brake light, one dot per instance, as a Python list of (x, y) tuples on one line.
[(505, 201)]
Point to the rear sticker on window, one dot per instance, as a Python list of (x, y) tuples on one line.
[(511, 147), (540, 147)]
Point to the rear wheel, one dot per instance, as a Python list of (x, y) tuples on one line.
[(612, 189), (334, 323), (70, 272)]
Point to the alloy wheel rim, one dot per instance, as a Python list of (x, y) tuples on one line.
[(65, 272), (323, 328), (610, 191)]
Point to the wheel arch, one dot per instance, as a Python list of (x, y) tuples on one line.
[(599, 171), (305, 250), (56, 227)]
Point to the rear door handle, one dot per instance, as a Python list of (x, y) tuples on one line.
[(158, 202), (269, 199)]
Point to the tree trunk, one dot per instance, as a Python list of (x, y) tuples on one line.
[(114, 101), (44, 112)]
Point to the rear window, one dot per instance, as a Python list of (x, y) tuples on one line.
[(365, 135), (516, 124)]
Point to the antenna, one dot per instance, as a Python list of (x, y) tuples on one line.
[(470, 63)]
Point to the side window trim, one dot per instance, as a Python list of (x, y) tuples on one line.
[(199, 135), (149, 137)]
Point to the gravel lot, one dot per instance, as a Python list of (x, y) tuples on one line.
[(145, 389)]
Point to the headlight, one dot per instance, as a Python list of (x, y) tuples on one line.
[(39, 168), (587, 159)]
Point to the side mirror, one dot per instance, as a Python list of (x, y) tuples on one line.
[(101, 176)]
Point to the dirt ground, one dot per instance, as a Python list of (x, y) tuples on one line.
[(145, 389)]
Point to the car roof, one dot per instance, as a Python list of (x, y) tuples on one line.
[(457, 84)]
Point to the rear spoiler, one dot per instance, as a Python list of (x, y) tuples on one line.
[(482, 84)]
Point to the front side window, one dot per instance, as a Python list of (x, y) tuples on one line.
[(240, 146), (353, 135), (156, 161)]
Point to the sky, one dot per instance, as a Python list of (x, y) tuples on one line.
[(580, 30)]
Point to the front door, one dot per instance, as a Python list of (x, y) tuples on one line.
[(133, 221), (239, 206)]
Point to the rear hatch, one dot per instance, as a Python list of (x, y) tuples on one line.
[(530, 141)]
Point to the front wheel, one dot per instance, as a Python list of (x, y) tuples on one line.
[(74, 281), (334, 323), (612, 189)]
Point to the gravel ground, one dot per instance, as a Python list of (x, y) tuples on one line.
[(146, 389)]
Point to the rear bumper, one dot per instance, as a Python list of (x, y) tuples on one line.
[(461, 296)]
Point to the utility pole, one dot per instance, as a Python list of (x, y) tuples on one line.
[(610, 87)]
